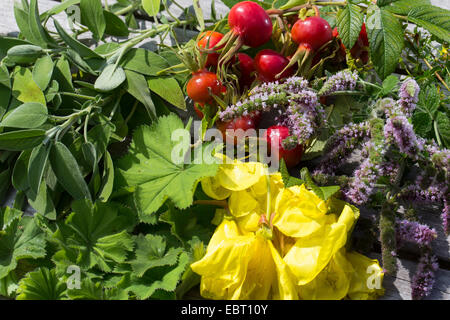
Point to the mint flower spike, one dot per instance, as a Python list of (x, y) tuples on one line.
[(409, 96), (344, 80), (423, 280), (297, 105), (414, 232)]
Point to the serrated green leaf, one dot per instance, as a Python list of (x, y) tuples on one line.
[(434, 19), (160, 278), (404, 6), (42, 284), (429, 100), (349, 23), (389, 84), (68, 172), (169, 90), (95, 235), (386, 41), (92, 17), (443, 124), (151, 253), (288, 180), (151, 7), (422, 123), (329, 191), (9, 285), (20, 239), (191, 222), (90, 290), (323, 193), (149, 167)]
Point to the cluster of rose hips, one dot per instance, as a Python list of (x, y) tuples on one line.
[(251, 25)]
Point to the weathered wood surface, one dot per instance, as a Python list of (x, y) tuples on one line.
[(398, 287)]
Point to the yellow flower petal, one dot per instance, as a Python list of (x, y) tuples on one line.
[(332, 283), (311, 254), (242, 203), (224, 266), (299, 212), (283, 287), (367, 279), (239, 175), (260, 272), (213, 189), (248, 223)]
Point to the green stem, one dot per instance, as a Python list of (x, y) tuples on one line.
[(436, 132), (325, 3), (125, 10), (81, 96), (401, 17), (131, 113)]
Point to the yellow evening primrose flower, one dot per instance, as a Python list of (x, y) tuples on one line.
[(296, 252), (367, 279), (240, 266)]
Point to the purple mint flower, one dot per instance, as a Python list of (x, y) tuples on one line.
[(408, 93), (400, 132), (341, 144), (446, 216), (363, 183), (423, 280), (342, 81), (411, 231), (439, 157)]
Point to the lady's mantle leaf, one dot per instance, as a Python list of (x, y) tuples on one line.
[(41, 284), (159, 278), (151, 253), (149, 167), (90, 290), (95, 235), (20, 238), (386, 42)]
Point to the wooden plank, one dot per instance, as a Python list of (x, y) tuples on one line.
[(399, 287)]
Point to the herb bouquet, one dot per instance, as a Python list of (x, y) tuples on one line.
[(218, 161)]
